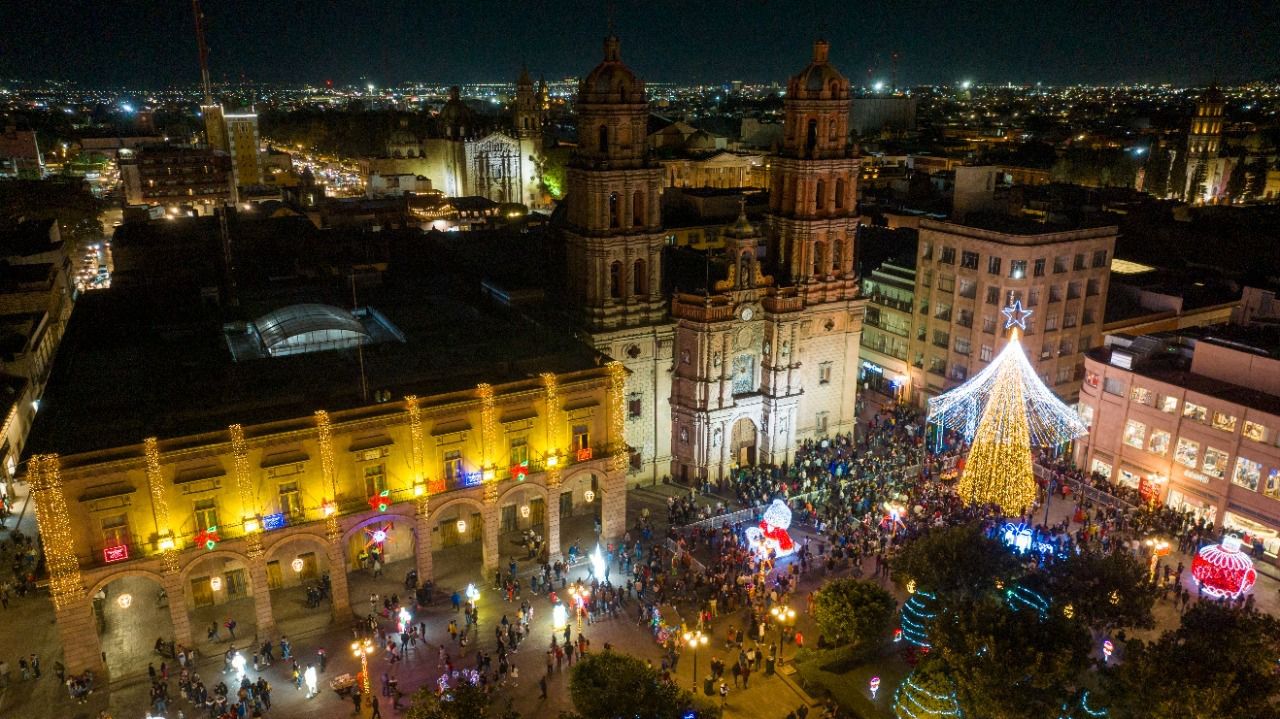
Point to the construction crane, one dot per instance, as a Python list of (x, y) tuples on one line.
[(204, 53)]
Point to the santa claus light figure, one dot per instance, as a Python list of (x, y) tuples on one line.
[(772, 535)]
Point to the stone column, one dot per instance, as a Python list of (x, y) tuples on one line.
[(422, 547), (340, 596), (178, 614), (613, 510), (78, 634), (265, 620)]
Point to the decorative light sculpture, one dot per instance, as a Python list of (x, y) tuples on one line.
[(215, 583), (874, 686), (124, 600), (917, 617), (1019, 597), (598, 564), (772, 534), (472, 593), (559, 616), (918, 697), (1222, 570), (297, 565), (1003, 411)]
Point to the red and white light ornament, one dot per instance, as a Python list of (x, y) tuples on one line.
[(1222, 570)]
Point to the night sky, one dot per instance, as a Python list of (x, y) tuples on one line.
[(150, 43)]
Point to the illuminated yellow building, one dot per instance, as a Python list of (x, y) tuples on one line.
[(242, 511)]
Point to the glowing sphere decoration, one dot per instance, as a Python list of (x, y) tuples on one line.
[(297, 564), (1222, 570), (379, 536), (124, 600)]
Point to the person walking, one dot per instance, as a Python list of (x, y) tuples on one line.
[(373, 704)]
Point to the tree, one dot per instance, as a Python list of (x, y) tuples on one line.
[(1105, 591), (1257, 172), (552, 171), (927, 693), (464, 701), (1237, 181), (1219, 663), (612, 686), (1010, 663), (955, 560), (854, 612)]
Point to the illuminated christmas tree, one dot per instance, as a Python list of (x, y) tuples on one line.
[(918, 613), (1003, 411), (926, 693)]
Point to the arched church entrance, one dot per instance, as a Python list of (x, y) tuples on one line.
[(132, 612), (743, 442)]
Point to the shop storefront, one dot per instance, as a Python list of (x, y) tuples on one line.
[(877, 378), (1256, 532), (1200, 507)]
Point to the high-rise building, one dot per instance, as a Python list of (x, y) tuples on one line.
[(242, 145), (173, 175), (1203, 142), (966, 273)]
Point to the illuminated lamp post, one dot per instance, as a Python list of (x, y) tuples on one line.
[(363, 649), (783, 616), (693, 640)]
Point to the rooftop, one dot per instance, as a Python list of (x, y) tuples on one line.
[(1171, 369)]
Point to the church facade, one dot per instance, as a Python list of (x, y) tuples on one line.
[(765, 356)]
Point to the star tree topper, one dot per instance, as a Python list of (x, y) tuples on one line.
[(1014, 315)]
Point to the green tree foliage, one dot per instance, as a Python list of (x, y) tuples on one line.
[(552, 171), (1238, 180), (1009, 664), (854, 612), (617, 686), (955, 561), (464, 701), (928, 692), (1219, 664), (1106, 592)]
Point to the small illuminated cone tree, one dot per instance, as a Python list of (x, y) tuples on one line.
[(926, 693), (1003, 411)]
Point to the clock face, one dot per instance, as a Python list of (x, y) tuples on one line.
[(747, 314)]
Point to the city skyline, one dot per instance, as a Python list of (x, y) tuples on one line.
[(149, 44)]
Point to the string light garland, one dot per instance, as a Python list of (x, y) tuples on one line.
[(913, 701), (325, 435), (488, 441), (244, 487), (420, 490), (1085, 710), (54, 526), (917, 616), (998, 469), (552, 424), (166, 542), (617, 416), (1019, 597), (1050, 423)]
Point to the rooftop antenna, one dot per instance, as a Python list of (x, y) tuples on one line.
[(204, 53), (893, 74)]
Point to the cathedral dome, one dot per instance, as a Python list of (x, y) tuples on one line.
[(611, 82), (820, 80), (455, 116)]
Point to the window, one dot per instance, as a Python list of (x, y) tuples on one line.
[(1255, 431), (948, 256), (1111, 385), (1055, 293), (453, 465), (959, 372), (615, 210), (206, 513), (581, 437), (1086, 414), (1194, 411), (1068, 320), (1215, 462), (519, 451), (1018, 269), (839, 198), (615, 280), (1046, 351), (1100, 258), (1273, 484), (1248, 474), (1135, 433), (942, 311), (1186, 452), (1064, 374), (290, 500), (1142, 395), (1033, 297), (968, 288), (1038, 268), (820, 422), (1065, 347), (962, 345), (993, 265), (1159, 442), (1073, 290), (989, 324), (993, 295), (1079, 264), (634, 407), (941, 338), (1101, 469), (1060, 264), (821, 195), (1093, 287), (969, 260), (1167, 404), (984, 353), (926, 252), (824, 373), (1224, 422), (375, 479), (639, 279), (115, 530)]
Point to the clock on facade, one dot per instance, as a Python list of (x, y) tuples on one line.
[(746, 314)]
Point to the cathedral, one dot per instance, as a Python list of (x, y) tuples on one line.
[(763, 354), (462, 159)]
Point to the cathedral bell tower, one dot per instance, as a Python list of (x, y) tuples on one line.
[(613, 227), (813, 215), (528, 115)]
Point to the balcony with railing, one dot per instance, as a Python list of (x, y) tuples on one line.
[(891, 303)]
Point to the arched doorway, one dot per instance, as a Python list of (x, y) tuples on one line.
[(743, 442), (457, 544), (298, 580), (522, 512), (379, 554), (132, 612), (580, 502), (220, 591)]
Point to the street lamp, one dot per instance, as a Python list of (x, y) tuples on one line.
[(782, 615), (694, 640), (363, 649)]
